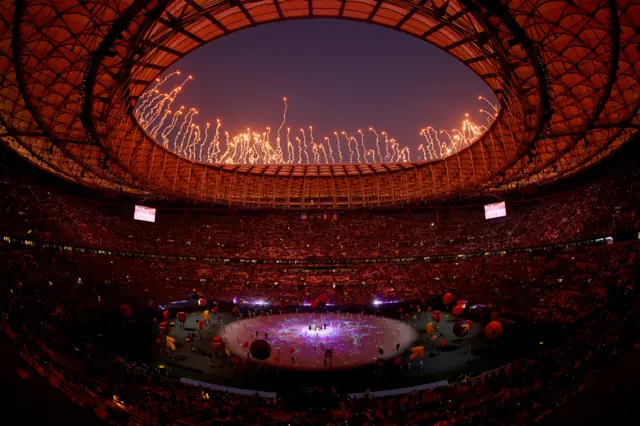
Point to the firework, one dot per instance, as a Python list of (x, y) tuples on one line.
[(180, 131)]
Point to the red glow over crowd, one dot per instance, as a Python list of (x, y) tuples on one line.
[(587, 291)]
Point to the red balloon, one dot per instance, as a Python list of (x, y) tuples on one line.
[(436, 316), (165, 315), (323, 298), (200, 324), (461, 328), (202, 301), (292, 350), (457, 310), (260, 349), (448, 298), (314, 304), (215, 309), (165, 327), (126, 310), (158, 341), (182, 317), (493, 330)]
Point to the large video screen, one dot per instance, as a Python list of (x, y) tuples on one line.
[(146, 214), (495, 210)]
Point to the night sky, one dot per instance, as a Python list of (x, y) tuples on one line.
[(337, 75)]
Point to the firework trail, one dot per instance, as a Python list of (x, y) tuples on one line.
[(429, 140), (421, 148), (187, 139), (214, 147), (169, 129), (394, 149), (304, 144), (146, 96), (493, 107), (268, 149), (204, 141), (355, 144), (141, 111), (440, 144), (166, 99), (154, 110), (188, 119), (387, 156), (364, 148), (312, 142), (246, 144), (406, 154), (284, 120), (154, 131), (196, 141), (330, 150), (326, 160), (290, 150), (432, 145), (299, 150), (371, 129), (161, 82), (146, 101), (338, 143), (348, 145), (227, 152), (180, 131)]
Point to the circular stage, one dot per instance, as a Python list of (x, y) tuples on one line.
[(303, 341)]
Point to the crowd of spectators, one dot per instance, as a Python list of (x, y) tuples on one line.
[(557, 286), (583, 289), (597, 292), (43, 213)]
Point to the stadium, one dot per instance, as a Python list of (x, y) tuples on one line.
[(149, 281)]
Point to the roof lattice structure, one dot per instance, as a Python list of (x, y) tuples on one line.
[(566, 74)]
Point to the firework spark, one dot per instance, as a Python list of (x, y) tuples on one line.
[(180, 131)]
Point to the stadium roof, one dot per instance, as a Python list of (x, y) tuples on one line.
[(566, 73)]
